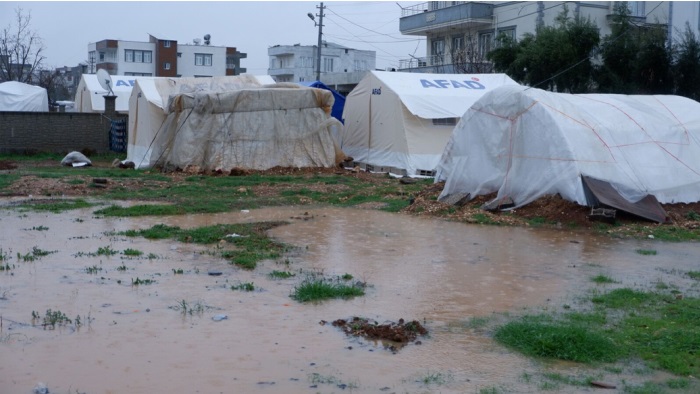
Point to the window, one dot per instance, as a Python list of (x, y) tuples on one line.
[(328, 64), (179, 54), (166, 44), (445, 122), (102, 56), (360, 65), (636, 8), (458, 49), (438, 50), (202, 59), (166, 66), (138, 74), (485, 41), (136, 56)]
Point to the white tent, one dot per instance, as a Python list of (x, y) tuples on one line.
[(525, 143), (89, 97), (148, 109), (400, 122), (253, 128), (18, 96)]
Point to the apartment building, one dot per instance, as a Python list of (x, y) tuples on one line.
[(341, 67), (164, 58), (460, 33)]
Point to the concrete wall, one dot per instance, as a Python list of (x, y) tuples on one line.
[(56, 132)]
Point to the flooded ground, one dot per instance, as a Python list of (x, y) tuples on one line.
[(135, 338)]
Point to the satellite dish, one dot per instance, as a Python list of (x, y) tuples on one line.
[(105, 81), (207, 39)]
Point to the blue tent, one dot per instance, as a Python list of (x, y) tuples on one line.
[(337, 110)]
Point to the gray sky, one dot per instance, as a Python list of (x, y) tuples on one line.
[(66, 28)]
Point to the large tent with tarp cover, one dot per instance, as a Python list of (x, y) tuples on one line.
[(18, 96), (627, 152), (399, 122), (148, 108), (283, 125), (89, 96)]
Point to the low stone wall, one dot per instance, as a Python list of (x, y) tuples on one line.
[(57, 132), (54, 132)]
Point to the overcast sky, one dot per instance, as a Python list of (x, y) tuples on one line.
[(67, 28)]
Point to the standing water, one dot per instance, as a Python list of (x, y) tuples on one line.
[(136, 338)]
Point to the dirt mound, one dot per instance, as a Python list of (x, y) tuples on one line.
[(401, 333), (7, 165)]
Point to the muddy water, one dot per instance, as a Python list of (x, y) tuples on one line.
[(134, 340)]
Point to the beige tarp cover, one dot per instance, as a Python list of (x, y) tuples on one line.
[(256, 128)]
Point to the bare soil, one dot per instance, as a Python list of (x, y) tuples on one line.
[(549, 211), (400, 333)]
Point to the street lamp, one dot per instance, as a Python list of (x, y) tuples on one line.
[(320, 33)]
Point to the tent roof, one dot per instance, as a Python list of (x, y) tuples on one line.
[(526, 142), (433, 96), (158, 90), (121, 86), (18, 96)]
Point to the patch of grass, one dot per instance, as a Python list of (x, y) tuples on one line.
[(105, 251), (52, 319), (34, 254), (317, 378), (132, 252), (178, 271), (317, 289), (137, 281), (436, 378), (248, 286), (40, 228), (692, 274), (602, 279), (678, 384), (4, 255), (692, 215), (280, 274), (122, 268), (75, 181), (659, 328), (646, 252), (140, 210), (189, 308), (6, 180), (540, 337), (481, 218), (93, 270), (250, 239), (55, 206)]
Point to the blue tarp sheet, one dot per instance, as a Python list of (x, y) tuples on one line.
[(337, 110)]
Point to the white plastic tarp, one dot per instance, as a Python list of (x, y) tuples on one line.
[(148, 109), (89, 96), (400, 122), (18, 96), (258, 128), (525, 143)]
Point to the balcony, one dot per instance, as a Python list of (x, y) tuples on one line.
[(443, 65), (424, 18)]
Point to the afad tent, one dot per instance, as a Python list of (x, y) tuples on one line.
[(223, 123), (89, 97), (400, 122), (18, 96), (593, 149)]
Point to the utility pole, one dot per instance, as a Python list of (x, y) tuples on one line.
[(320, 42)]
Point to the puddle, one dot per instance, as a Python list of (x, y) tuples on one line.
[(442, 274)]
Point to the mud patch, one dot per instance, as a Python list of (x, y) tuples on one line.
[(401, 333), (7, 165)]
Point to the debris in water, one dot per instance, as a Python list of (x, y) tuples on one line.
[(219, 317), (401, 332)]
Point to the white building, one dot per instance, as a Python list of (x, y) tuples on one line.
[(341, 67), (164, 58), (468, 28)]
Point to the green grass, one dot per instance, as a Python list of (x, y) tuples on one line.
[(646, 252), (602, 279), (317, 289), (280, 274), (692, 274), (132, 252), (54, 206), (656, 327), (252, 245), (248, 286)]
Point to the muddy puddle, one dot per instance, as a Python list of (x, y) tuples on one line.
[(136, 338)]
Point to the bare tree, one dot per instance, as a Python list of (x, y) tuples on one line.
[(470, 59), (21, 50)]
